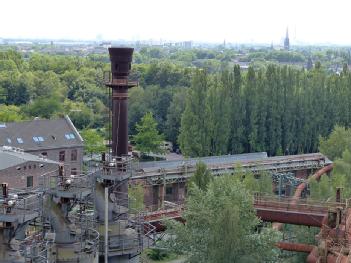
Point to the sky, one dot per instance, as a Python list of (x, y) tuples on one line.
[(245, 21)]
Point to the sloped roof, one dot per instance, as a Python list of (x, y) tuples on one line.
[(40, 134), (10, 157)]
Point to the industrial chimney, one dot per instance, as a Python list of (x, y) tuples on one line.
[(121, 59)]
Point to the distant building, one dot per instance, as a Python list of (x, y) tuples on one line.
[(23, 170), (309, 65), (286, 40), (57, 140), (187, 44)]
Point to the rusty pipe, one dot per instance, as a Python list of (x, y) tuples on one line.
[(313, 257), (315, 176), (297, 247), (301, 187)]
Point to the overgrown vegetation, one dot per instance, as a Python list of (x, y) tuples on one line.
[(221, 224), (337, 147)]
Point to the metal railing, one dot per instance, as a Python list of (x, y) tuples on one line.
[(117, 166), (65, 183), (291, 203), (108, 79), (20, 203), (35, 248)]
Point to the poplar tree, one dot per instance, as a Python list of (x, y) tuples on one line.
[(237, 111), (194, 136)]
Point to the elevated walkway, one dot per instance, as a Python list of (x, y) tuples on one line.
[(167, 172), (270, 209)]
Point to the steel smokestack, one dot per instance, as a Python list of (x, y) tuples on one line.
[(121, 60)]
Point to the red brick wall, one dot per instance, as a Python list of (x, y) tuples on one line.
[(17, 178)]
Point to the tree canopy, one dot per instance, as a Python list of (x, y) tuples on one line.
[(221, 226), (337, 147), (93, 142), (148, 140)]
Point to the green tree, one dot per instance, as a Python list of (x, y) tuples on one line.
[(174, 114), (93, 142), (218, 117), (43, 107), (337, 147), (79, 113), (147, 139), (136, 107), (194, 136), (337, 142), (10, 113), (202, 176), (256, 183), (136, 197), (234, 85), (221, 226)]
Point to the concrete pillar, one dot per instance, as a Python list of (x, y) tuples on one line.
[(161, 195)]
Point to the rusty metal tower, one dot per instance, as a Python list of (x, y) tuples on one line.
[(119, 228), (121, 59)]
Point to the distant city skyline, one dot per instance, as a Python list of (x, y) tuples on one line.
[(249, 21)]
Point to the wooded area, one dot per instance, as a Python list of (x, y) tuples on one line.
[(217, 109)]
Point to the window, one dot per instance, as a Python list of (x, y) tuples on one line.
[(38, 139), (24, 167), (29, 181), (62, 156), (74, 171), (74, 154), (70, 136), (19, 140), (9, 140)]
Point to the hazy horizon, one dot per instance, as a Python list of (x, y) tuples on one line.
[(262, 22)]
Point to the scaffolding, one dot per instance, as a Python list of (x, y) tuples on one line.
[(20, 214)]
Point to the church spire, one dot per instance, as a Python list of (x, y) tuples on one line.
[(286, 40)]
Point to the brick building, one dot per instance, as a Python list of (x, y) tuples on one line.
[(23, 170), (56, 139)]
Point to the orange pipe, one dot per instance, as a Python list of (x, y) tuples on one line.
[(315, 176), (313, 257), (298, 247), (301, 187)]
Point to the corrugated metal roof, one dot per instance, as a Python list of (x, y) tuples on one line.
[(40, 134), (10, 158), (212, 160)]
